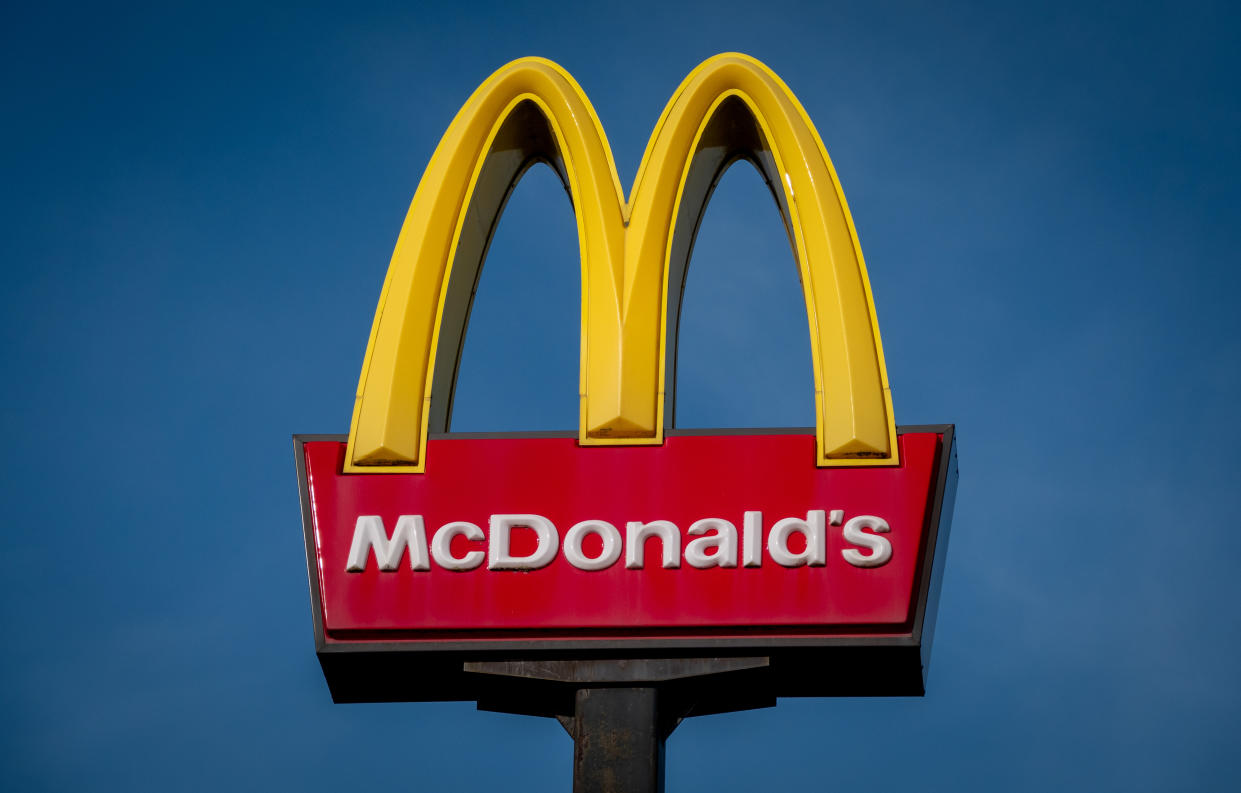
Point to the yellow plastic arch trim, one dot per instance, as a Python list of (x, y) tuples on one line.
[(532, 109)]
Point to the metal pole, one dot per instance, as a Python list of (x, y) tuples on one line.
[(618, 746)]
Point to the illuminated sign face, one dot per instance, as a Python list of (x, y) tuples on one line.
[(428, 549)]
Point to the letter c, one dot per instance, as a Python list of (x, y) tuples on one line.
[(441, 546)]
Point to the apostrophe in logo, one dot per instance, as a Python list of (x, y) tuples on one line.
[(634, 255)]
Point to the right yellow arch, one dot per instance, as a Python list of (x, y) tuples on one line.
[(730, 107)]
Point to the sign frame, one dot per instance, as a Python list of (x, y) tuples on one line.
[(760, 667)]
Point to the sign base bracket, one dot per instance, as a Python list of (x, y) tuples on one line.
[(623, 710)]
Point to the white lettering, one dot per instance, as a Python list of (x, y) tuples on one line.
[(714, 543), (752, 539), (636, 533), (544, 552), (722, 544), (369, 533), (611, 545), (812, 528), (441, 546), (880, 548)]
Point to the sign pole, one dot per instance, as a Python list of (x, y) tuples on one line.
[(617, 741)]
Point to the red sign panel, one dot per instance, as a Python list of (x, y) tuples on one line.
[(706, 536)]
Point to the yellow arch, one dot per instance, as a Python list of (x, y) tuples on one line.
[(730, 107)]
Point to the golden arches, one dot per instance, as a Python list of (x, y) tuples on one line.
[(731, 106)]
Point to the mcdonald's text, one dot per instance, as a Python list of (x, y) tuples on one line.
[(714, 544)]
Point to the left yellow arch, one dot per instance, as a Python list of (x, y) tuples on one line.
[(531, 110)]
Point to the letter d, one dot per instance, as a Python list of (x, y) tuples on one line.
[(498, 556), (813, 528)]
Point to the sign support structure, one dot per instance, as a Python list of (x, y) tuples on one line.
[(630, 574), (619, 698), (624, 711)]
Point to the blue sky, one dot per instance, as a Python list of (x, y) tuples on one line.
[(200, 205)]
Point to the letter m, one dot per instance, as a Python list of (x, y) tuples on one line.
[(369, 533)]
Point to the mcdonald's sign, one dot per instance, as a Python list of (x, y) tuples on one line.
[(819, 550)]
